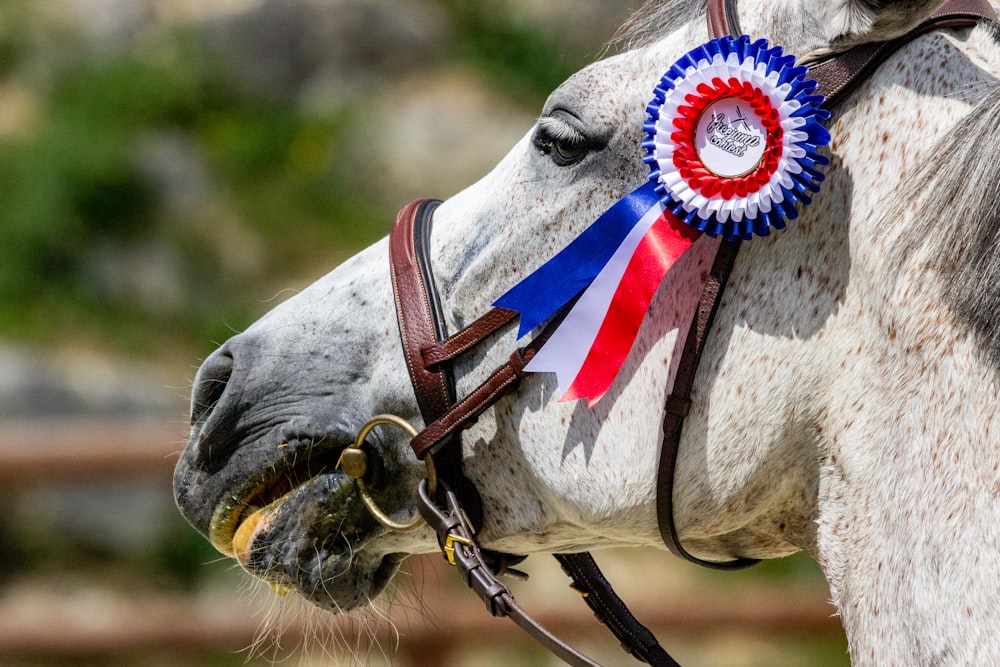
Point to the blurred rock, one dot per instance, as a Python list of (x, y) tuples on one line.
[(431, 136), (37, 384), (173, 163), (586, 26), (175, 166), (281, 47), (124, 518), (109, 23)]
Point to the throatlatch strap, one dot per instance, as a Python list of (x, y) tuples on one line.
[(679, 402)]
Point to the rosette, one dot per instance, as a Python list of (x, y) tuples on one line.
[(732, 141), (733, 136)]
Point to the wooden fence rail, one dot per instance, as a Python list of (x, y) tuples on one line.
[(61, 625), (36, 452), (41, 623)]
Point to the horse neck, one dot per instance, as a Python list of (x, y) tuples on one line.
[(908, 518), (839, 407)]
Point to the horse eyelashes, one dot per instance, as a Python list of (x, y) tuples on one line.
[(563, 143)]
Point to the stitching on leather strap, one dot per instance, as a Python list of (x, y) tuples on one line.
[(459, 343)]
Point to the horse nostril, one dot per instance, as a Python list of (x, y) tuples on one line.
[(210, 384), (210, 430)]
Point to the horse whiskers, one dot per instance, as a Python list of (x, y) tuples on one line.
[(350, 638), (281, 294), (346, 638), (266, 642), (405, 600), (526, 181), (282, 618), (969, 92)]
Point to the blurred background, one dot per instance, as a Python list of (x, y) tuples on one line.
[(170, 170)]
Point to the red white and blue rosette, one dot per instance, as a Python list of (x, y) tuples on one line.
[(733, 137), (732, 142)]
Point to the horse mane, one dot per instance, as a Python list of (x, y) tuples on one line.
[(655, 19), (958, 197)]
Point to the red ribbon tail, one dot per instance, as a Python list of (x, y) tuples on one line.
[(663, 244)]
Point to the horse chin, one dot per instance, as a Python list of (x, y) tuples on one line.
[(313, 539)]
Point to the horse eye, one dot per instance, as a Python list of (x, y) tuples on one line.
[(563, 143), (565, 153)]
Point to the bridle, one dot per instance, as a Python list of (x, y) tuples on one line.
[(448, 502)]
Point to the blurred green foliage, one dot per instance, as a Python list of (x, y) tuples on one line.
[(75, 191), (518, 56), (82, 215), (84, 211)]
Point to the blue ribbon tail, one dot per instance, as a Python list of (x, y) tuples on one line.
[(554, 284)]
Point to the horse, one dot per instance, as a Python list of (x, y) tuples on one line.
[(845, 400)]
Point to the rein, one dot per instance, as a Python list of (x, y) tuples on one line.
[(448, 501)]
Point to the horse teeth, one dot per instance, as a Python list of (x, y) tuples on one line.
[(248, 528), (244, 536)]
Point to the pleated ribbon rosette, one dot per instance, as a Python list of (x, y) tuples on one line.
[(732, 141)]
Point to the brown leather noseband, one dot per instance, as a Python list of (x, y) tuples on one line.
[(454, 509), (427, 350)]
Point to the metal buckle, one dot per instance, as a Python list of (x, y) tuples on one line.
[(354, 462), (449, 545)]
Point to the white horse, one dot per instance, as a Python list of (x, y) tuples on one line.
[(844, 405)]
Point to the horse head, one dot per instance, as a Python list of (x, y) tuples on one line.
[(848, 376)]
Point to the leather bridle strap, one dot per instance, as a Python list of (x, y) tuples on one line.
[(422, 328), (428, 350), (428, 354), (418, 308), (722, 19), (678, 404), (836, 77), (464, 553), (839, 74)]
